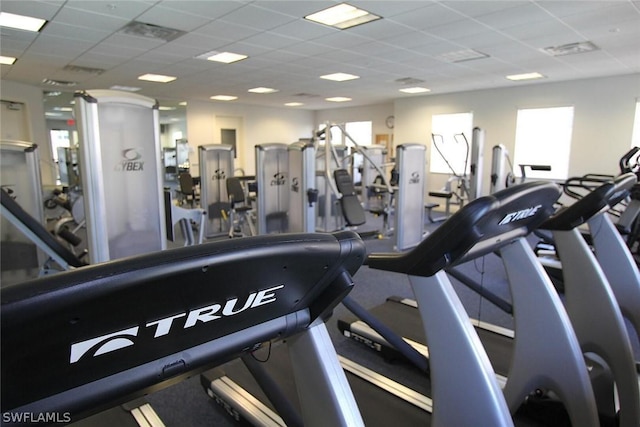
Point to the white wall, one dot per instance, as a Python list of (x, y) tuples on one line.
[(259, 125), (31, 97), (603, 121)]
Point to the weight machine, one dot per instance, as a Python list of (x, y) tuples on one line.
[(461, 188)]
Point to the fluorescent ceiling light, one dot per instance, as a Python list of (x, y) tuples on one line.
[(525, 76), (338, 99), (339, 77), (224, 57), (224, 97), (342, 16), (7, 60), (67, 109), (51, 114), (64, 83), (158, 78), (21, 22), (166, 108), (183, 103), (263, 90), (125, 88), (416, 89), (293, 104)]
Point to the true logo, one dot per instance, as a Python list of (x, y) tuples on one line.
[(519, 215), (127, 337)]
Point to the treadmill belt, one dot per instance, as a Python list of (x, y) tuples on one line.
[(405, 320), (378, 407)]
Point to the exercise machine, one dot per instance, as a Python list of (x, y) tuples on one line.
[(20, 172), (586, 288), (460, 371), (122, 177), (602, 333), (187, 219), (272, 177), (77, 342), (409, 196), (59, 257), (216, 165), (542, 327), (460, 188), (302, 192)]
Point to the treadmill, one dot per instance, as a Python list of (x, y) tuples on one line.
[(604, 335), (463, 385), (80, 342)]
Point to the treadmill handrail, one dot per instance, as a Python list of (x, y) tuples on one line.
[(602, 198), (79, 340), (476, 229)]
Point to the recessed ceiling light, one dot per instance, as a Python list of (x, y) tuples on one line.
[(52, 114), (183, 103), (416, 89), (462, 55), (224, 97), (339, 77), (263, 90), (224, 57), (342, 16), (7, 60), (125, 88), (67, 109), (293, 104), (21, 22), (166, 108), (525, 76), (158, 78), (338, 99)]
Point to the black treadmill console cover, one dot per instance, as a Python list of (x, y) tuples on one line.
[(482, 226), (125, 326), (603, 197), (623, 186)]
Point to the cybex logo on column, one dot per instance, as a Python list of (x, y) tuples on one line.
[(279, 179), (127, 337), (218, 175), (130, 161), (415, 178)]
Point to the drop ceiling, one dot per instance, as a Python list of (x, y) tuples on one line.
[(413, 43)]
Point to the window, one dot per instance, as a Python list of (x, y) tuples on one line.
[(362, 134), (449, 152), (635, 137), (543, 137)]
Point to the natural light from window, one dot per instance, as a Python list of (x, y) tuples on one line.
[(447, 130), (543, 137), (635, 138)]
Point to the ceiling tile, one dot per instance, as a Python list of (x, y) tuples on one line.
[(257, 17), (172, 18)]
